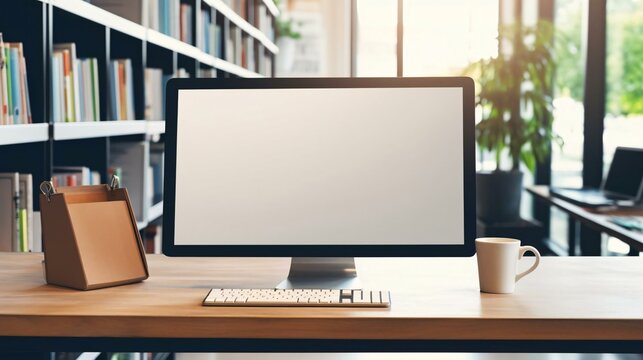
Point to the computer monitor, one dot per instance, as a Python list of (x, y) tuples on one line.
[(321, 170), (625, 176)]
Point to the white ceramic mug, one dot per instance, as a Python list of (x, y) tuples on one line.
[(497, 259)]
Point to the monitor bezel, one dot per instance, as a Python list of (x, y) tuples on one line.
[(404, 250)]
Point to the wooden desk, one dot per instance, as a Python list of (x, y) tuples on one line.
[(597, 221), (567, 304)]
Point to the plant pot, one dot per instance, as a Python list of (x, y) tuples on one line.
[(498, 195)]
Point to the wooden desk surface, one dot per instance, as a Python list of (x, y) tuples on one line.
[(598, 221), (432, 299)]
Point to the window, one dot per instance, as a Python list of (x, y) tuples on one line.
[(440, 37), (624, 85), (569, 82), (443, 37), (624, 95), (376, 48)]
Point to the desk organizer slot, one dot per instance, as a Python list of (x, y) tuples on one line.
[(90, 238)]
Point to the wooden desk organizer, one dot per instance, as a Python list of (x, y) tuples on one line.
[(90, 237)]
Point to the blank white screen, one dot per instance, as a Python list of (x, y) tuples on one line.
[(319, 166)]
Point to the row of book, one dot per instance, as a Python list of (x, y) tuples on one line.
[(156, 173), (75, 86), (211, 34), (121, 90), (177, 20), (256, 13), (15, 107), (155, 81), (19, 224), (74, 176), (16, 213), (240, 49)]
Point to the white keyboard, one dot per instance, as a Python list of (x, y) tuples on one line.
[(298, 297)]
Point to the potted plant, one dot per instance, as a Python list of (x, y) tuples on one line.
[(514, 97), (286, 37)]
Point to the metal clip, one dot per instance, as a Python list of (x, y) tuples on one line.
[(114, 182), (47, 189)]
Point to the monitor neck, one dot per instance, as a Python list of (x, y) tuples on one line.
[(321, 273)]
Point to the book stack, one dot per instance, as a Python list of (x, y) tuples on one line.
[(249, 54), (75, 87), (185, 23), (263, 20), (74, 176), (164, 16), (211, 34), (154, 104), (16, 213), (15, 107), (132, 158), (121, 88), (157, 156), (234, 46)]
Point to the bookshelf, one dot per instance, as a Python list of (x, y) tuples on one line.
[(39, 147), (23, 133), (86, 130)]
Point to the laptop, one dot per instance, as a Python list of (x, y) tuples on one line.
[(622, 186)]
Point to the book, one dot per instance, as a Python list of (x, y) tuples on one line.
[(238, 45), (9, 211), (133, 159), (75, 86), (19, 77), (121, 90), (185, 23), (74, 176), (4, 120), (168, 13), (26, 208), (133, 10), (29, 119), (95, 88), (15, 84), (15, 105), (153, 14), (72, 108), (58, 112), (154, 104), (157, 159)]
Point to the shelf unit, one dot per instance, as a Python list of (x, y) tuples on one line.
[(110, 21), (23, 133), (37, 148)]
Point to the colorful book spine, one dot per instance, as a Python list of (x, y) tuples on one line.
[(69, 116), (28, 117), (113, 85), (55, 92), (15, 84), (23, 236), (121, 89), (129, 82), (3, 84), (7, 53), (95, 90), (22, 70)]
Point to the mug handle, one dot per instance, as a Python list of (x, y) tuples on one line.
[(521, 252)]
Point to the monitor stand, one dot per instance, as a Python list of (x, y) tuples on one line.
[(321, 273)]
